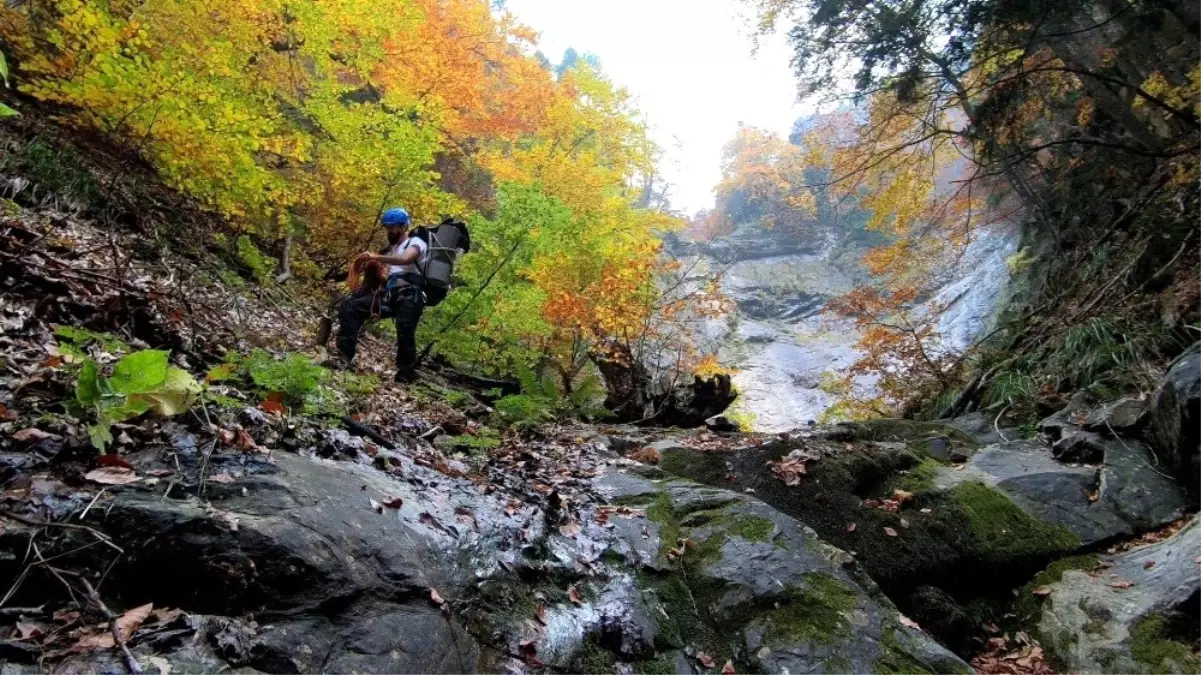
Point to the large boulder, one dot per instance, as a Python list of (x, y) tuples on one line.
[(1175, 430), (733, 578), (970, 529), (1135, 612)]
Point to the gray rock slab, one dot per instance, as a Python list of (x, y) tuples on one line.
[(1087, 621)]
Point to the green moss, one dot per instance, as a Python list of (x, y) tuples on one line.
[(661, 512), (677, 616), (921, 477), (660, 665), (1150, 648), (703, 467), (1028, 604), (1003, 530), (815, 612), (751, 528), (594, 659), (896, 659)]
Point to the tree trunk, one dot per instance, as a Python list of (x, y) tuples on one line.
[(634, 397)]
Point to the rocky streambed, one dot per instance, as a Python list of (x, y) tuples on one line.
[(890, 547)]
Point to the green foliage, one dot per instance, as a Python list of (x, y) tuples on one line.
[(261, 265), (75, 341), (523, 410), (55, 170), (1107, 354), (295, 376), (542, 399), (5, 111), (483, 440), (231, 278), (139, 382)]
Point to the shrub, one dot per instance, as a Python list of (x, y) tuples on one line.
[(523, 409), (295, 376), (261, 265)]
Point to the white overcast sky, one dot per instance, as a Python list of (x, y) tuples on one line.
[(689, 66)]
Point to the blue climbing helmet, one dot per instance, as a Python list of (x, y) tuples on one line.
[(395, 218)]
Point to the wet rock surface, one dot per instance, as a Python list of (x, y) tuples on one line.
[(1133, 612), (1175, 428)]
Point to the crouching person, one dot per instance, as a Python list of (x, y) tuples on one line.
[(402, 299)]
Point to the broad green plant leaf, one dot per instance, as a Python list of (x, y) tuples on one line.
[(4, 69), (176, 395), (140, 373), (87, 388), (100, 435), (6, 111)]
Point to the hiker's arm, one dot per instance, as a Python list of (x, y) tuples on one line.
[(408, 257)]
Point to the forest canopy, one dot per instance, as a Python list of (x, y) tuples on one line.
[(300, 121)]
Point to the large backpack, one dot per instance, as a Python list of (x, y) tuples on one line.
[(446, 240)]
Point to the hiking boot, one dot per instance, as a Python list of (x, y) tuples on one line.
[(406, 376)]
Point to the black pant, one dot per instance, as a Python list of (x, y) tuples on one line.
[(405, 304)]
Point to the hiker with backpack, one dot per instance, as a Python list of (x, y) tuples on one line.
[(419, 267)]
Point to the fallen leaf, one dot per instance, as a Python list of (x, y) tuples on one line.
[(6, 415), (890, 532), (851, 527), (728, 669), (158, 473), (127, 624), (32, 435), (906, 621), (902, 496), (53, 362), (1042, 591), (113, 460), (904, 523), (540, 614), (166, 615), (394, 502), (379, 508), (27, 630), (1121, 583), (436, 597), (273, 407), (573, 594), (66, 615), (570, 529), (705, 660), (647, 455), (223, 478), (111, 475), (926, 511), (1149, 564), (244, 441)]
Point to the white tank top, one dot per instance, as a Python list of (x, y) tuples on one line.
[(401, 248)]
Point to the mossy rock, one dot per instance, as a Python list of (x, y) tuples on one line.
[(898, 430), (950, 538), (1152, 648)]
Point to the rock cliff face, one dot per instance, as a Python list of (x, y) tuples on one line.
[(781, 342)]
